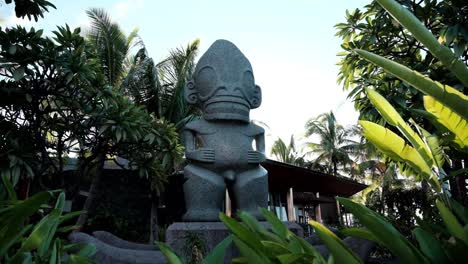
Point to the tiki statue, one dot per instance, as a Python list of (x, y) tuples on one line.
[(223, 148)]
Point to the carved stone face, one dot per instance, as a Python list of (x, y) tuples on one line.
[(224, 84)]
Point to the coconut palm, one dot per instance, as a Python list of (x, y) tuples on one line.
[(111, 44), (334, 147), (161, 87), (112, 48), (287, 153)]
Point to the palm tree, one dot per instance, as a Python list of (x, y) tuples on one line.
[(287, 154), (111, 44), (334, 147), (160, 88), (112, 48)]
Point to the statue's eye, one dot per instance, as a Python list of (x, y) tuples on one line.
[(248, 80), (206, 81)]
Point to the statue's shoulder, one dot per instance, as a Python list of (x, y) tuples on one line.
[(253, 130), (199, 126)]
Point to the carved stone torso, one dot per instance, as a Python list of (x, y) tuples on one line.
[(230, 140)]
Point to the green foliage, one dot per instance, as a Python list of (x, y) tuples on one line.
[(23, 240), (160, 87), (34, 8), (335, 146), (287, 154), (111, 45), (258, 245), (373, 29), (216, 255)]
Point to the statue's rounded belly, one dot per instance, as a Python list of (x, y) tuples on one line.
[(230, 156)]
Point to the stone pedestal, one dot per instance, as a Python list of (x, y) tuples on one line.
[(211, 233)]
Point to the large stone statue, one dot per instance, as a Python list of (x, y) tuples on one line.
[(223, 148)]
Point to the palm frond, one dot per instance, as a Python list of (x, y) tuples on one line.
[(110, 42)]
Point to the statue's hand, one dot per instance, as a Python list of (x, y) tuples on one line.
[(206, 155), (255, 156)]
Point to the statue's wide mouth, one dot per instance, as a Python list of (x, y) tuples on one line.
[(227, 107)]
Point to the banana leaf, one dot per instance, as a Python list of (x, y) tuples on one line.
[(452, 121), (394, 119), (395, 147), (341, 253), (423, 35), (385, 232), (445, 94)]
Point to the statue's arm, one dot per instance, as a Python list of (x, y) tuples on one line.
[(258, 155), (192, 153)]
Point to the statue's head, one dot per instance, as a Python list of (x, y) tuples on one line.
[(223, 84)]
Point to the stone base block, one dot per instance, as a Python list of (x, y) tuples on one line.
[(210, 233)]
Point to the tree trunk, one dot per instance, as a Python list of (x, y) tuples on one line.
[(154, 228), (93, 190)]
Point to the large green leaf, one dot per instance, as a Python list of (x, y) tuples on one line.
[(341, 253), (359, 233), (384, 232), (276, 225), (217, 254), (451, 222), (395, 147), (450, 120), (242, 233), (445, 94), (171, 256), (250, 254), (394, 119), (423, 35), (430, 246), (12, 221), (41, 236)]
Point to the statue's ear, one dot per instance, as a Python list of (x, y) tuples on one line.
[(257, 97), (190, 92)]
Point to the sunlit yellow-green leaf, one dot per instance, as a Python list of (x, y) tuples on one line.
[(395, 147), (450, 120), (394, 119), (341, 253), (445, 94)]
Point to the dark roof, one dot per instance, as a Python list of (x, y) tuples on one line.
[(282, 176)]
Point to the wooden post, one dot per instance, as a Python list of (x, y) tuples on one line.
[(318, 211), (338, 210), (228, 204), (290, 205)]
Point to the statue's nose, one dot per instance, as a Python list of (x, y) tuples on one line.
[(230, 90)]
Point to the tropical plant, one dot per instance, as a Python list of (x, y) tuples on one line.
[(160, 88), (23, 240), (374, 29), (55, 100), (287, 154), (31, 8), (215, 256), (112, 46), (333, 149), (441, 244)]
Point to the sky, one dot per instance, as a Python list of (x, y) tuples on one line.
[(291, 45)]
